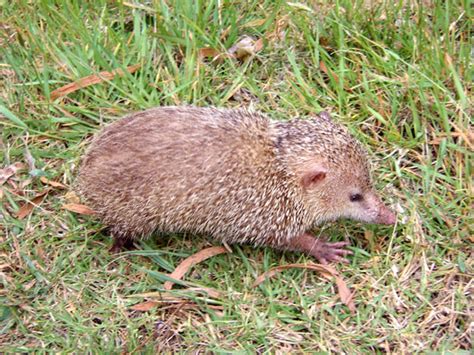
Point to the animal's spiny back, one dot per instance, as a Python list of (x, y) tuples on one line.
[(323, 137), (193, 169)]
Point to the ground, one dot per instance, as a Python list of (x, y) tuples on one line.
[(395, 73)]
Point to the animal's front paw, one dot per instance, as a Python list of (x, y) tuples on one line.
[(327, 252)]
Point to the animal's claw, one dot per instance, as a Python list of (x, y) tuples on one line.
[(327, 252)]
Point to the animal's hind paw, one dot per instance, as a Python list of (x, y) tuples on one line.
[(121, 244)]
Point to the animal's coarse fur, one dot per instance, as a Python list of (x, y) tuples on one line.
[(232, 174)]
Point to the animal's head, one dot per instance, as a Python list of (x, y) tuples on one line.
[(333, 172)]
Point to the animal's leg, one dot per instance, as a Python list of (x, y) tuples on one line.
[(325, 252), (120, 244)]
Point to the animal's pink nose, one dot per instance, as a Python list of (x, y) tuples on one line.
[(386, 216)]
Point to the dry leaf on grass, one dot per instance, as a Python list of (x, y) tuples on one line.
[(327, 271), (255, 23), (27, 207), (208, 53), (78, 208), (207, 290), (144, 306), (9, 171), (192, 260), (258, 45), (347, 297), (328, 72), (91, 80), (52, 183)]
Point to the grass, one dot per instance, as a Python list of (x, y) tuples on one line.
[(396, 73)]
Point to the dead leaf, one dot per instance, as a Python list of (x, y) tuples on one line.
[(327, 271), (192, 260), (27, 207), (345, 294), (208, 53), (144, 306), (9, 171), (91, 80), (56, 184), (328, 72), (78, 208), (258, 45), (211, 292), (369, 235), (255, 23)]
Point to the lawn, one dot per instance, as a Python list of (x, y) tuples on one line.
[(397, 74)]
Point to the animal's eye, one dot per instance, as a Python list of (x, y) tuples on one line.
[(356, 197)]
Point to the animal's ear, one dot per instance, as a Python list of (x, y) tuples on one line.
[(313, 176), (324, 115)]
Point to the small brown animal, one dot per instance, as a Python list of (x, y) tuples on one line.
[(232, 174)]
